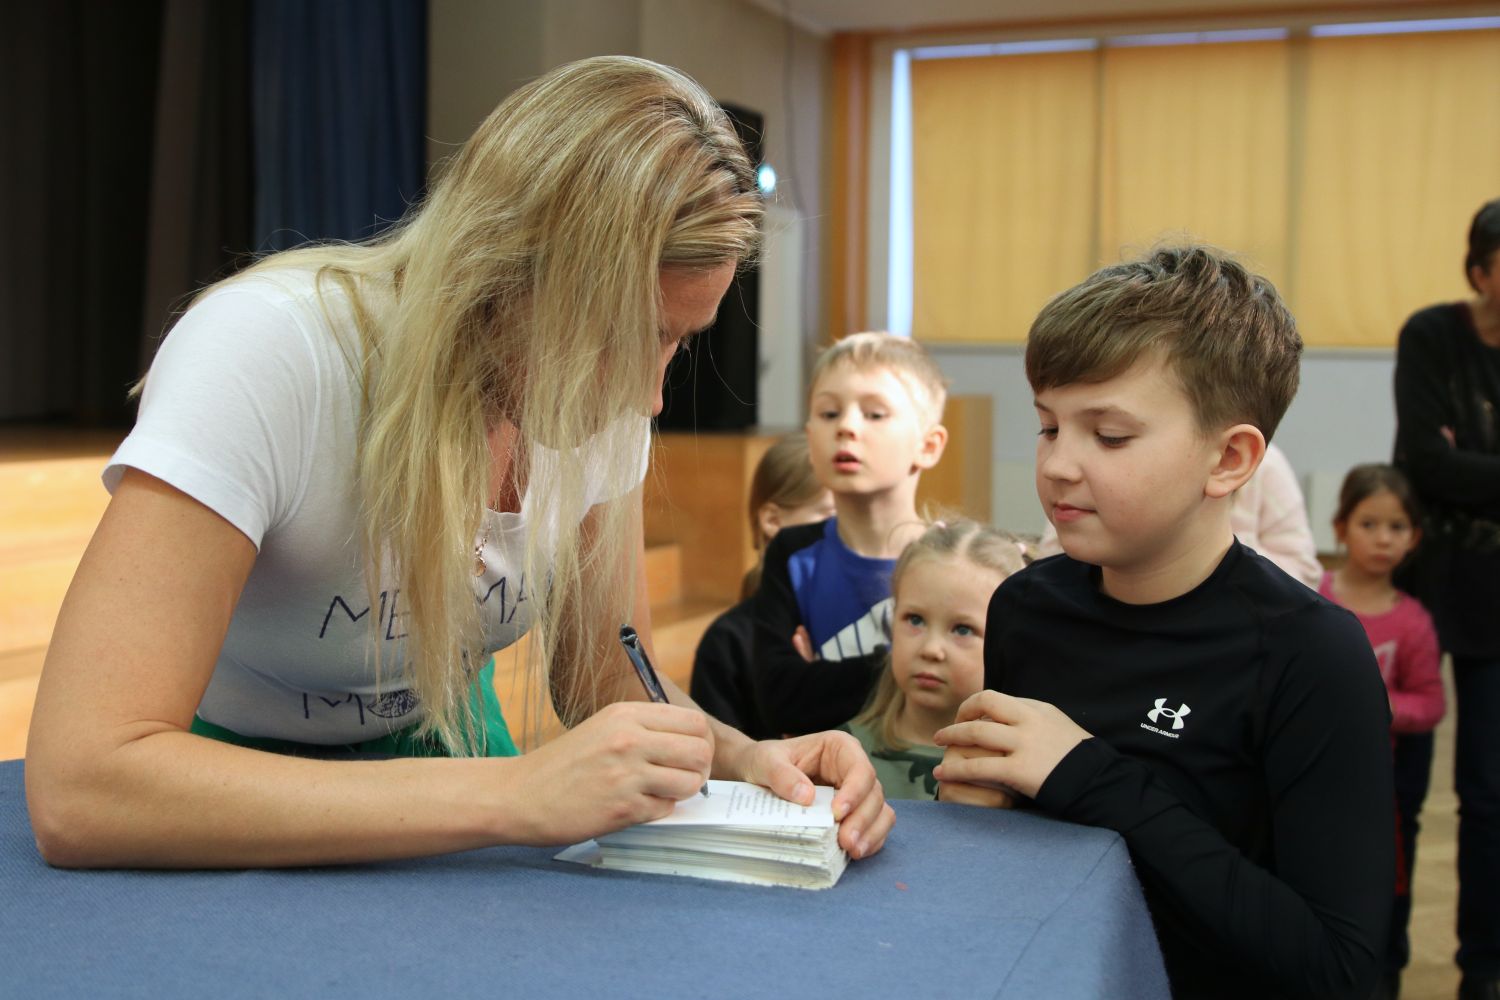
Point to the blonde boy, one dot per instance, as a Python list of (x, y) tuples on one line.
[(822, 613), (1161, 679)]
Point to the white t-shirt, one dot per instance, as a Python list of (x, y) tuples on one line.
[(251, 408)]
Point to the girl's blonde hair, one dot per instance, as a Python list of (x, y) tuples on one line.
[(525, 289), (981, 545), (783, 476)]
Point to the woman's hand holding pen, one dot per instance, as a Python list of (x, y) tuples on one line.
[(629, 763), (790, 767)]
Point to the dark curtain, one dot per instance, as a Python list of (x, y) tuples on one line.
[(340, 90), (151, 146), (200, 208), (77, 104)]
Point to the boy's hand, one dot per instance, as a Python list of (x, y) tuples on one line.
[(968, 794), (802, 643), (1026, 739)]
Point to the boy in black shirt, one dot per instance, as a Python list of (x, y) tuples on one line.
[(1163, 680)]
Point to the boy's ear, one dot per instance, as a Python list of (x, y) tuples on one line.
[(933, 443), (1240, 450)]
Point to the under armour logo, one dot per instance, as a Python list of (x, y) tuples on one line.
[(1161, 710)]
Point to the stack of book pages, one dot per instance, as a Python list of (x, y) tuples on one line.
[(738, 833)]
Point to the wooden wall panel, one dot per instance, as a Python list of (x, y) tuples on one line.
[(696, 496), (960, 482)]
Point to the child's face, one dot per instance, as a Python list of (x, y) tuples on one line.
[(937, 636), (1378, 533), (865, 432), (1121, 468)]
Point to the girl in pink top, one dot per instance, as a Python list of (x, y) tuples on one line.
[(1377, 522)]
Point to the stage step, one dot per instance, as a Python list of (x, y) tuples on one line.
[(16, 697), (664, 572), (50, 501), (48, 510), (676, 627)]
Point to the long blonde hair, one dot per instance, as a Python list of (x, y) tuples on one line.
[(525, 289), (978, 543)]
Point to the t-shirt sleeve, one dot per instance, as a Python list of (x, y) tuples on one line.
[(230, 408), (1424, 406), (1315, 926), (795, 696)]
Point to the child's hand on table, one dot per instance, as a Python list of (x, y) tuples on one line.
[(971, 794), (1007, 744)]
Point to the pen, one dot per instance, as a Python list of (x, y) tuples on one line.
[(645, 671)]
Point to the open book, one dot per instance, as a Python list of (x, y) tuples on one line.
[(739, 833)]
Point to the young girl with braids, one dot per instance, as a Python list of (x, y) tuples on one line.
[(359, 470), (941, 589)]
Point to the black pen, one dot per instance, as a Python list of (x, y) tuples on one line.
[(645, 671)]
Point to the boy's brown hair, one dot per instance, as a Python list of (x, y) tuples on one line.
[(906, 359), (1223, 330)]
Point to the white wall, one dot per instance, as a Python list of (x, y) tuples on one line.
[(477, 52), (747, 56), (480, 50)]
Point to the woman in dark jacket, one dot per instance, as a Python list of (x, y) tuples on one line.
[(1448, 443)]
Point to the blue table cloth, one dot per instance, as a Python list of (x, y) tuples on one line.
[(962, 902)]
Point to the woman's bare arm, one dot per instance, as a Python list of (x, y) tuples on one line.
[(114, 778)]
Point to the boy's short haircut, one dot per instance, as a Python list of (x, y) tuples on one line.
[(906, 359), (1223, 330)]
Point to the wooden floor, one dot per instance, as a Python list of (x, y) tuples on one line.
[(1432, 974)]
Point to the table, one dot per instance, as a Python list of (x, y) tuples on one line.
[(963, 902)]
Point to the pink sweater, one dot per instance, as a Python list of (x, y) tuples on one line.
[(1406, 648)]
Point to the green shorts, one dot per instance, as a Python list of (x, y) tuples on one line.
[(483, 706)]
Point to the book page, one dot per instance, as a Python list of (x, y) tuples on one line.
[(739, 803)]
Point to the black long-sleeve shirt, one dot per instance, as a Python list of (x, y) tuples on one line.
[(795, 696), (1446, 377), (722, 666), (1241, 747)]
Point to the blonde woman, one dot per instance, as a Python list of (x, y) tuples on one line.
[(359, 470)]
